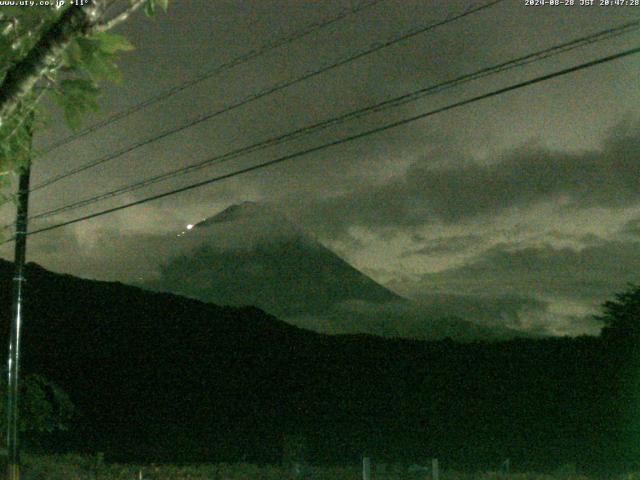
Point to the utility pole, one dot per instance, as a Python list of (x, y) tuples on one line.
[(13, 361)]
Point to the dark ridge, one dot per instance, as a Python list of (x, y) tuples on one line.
[(162, 378)]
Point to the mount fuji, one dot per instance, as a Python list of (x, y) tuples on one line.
[(251, 254)]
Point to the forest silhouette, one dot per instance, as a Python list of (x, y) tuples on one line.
[(160, 378)]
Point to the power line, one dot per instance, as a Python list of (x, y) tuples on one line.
[(245, 57), (343, 140), (394, 102), (269, 91)]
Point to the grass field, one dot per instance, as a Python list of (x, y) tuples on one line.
[(72, 467)]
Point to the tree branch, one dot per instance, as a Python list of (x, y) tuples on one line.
[(119, 18), (45, 55), (21, 79)]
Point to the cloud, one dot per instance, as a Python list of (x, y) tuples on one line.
[(446, 245), (99, 253), (572, 282), (505, 290), (454, 190), (400, 320), (632, 229), (518, 313), (461, 317), (539, 289)]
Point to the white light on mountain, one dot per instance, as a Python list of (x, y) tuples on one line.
[(189, 227)]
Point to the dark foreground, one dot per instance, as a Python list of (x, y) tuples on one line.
[(73, 467)]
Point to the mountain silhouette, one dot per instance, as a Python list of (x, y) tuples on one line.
[(250, 254), (162, 378)]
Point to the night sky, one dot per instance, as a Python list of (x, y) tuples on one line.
[(525, 207)]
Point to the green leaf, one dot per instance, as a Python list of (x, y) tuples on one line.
[(76, 96), (79, 89), (111, 43), (97, 62), (72, 56), (15, 141), (101, 68), (150, 8), (45, 407), (7, 11), (164, 5)]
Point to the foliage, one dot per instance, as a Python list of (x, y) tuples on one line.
[(44, 407), (87, 61), (192, 382), (19, 29), (73, 81), (19, 32), (621, 316), (150, 7)]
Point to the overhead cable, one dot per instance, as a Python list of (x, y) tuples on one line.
[(341, 141)]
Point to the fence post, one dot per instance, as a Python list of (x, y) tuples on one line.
[(366, 468), (435, 469)]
